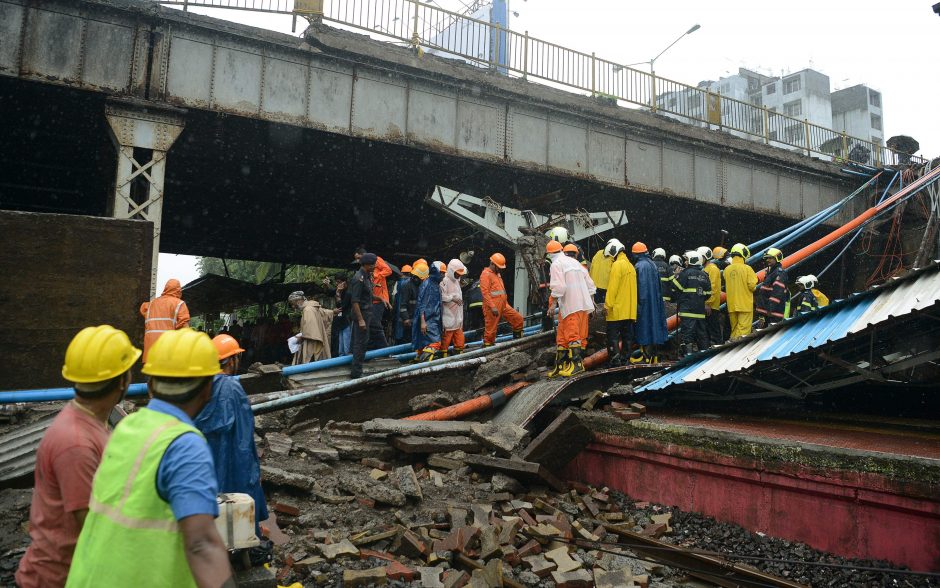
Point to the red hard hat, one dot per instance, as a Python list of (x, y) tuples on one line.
[(639, 247), (499, 260), (226, 346)]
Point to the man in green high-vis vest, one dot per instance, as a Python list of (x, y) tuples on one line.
[(153, 502)]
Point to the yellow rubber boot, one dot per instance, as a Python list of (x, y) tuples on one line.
[(577, 364), (560, 354)]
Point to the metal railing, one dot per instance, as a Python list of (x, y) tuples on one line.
[(485, 44)]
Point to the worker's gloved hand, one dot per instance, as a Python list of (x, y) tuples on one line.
[(548, 323), (708, 311)]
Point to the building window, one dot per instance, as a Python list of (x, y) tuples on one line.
[(876, 122), (874, 98), (791, 85), (771, 88), (794, 108)]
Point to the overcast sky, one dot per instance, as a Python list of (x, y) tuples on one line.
[(892, 47)]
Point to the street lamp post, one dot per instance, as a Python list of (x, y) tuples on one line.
[(652, 63)]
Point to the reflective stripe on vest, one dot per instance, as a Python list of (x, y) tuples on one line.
[(176, 313), (498, 293), (127, 517)]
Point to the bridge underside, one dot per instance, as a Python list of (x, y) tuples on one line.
[(249, 189)]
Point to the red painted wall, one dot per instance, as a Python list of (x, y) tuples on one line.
[(852, 514)]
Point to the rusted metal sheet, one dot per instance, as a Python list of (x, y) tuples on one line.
[(62, 273)]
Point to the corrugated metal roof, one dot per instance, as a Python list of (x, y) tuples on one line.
[(916, 291)]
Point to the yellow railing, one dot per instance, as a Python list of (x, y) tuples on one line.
[(484, 44)]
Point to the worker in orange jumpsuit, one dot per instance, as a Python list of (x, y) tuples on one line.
[(496, 303), (166, 312)]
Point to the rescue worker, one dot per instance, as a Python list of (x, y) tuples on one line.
[(496, 302), (97, 362), (620, 305), (573, 298), (315, 325), (713, 304), (665, 277), (405, 302), (571, 250), (360, 296), (398, 326), (720, 257), (452, 307), (694, 288), (154, 495), (805, 300), (229, 428), (426, 328), (472, 297), (773, 296), (340, 329), (166, 312), (675, 264), (740, 281), (380, 301), (650, 313), (600, 273)]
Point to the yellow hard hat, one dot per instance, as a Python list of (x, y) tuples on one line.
[(98, 354), (184, 353)]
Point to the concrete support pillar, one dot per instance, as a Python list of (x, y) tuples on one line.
[(142, 134)]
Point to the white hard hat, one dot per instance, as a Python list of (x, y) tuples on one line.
[(613, 247), (705, 252), (675, 259), (693, 257), (808, 282), (559, 234), (659, 253)]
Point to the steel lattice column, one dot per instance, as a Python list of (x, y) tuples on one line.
[(142, 133)]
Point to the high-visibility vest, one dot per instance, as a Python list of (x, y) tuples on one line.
[(130, 536)]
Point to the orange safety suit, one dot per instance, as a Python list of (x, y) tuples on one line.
[(496, 306), (380, 273), (166, 312)]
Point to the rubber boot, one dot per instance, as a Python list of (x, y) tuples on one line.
[(577, 364), (427, 354), (637, 356), (560, 354), (488, 344), (567, 367), (457, 350), (517, 334), (613, 357)]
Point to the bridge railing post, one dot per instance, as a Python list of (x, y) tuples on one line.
[(525, 57), (142, 137)]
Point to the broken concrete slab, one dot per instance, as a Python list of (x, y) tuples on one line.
[(503, 438), (412, 444), (499, 367), (281, 477), (622, 578), (504, 483), (434, 400), (573, 579), (562, 559), (344, 548), (524, 471), (387, 427), (278, 444), (356, 578), (431, 577), (452, 460), (320, 451), (366, 487), (559, 443), (408, 482)]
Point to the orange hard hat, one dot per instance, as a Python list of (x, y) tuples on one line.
[(571, 248), (553, 247), (406, 269), (499, 260), (639, 247), (226, 346), (421, 261)]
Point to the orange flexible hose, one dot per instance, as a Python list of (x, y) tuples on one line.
[(467, 407), (672, 322)]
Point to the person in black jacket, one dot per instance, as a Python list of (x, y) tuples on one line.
[(772, 293), (473, 304), (405, 303), (692, 287), (805, 300)]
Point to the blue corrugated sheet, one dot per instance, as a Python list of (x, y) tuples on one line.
[(916, 291)]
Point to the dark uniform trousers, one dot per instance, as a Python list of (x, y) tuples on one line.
[(359, 341)]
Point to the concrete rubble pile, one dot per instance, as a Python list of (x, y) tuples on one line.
[(447, 504)]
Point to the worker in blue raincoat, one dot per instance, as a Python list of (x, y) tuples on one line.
[(650, 329), (229, 428), (426, 328)]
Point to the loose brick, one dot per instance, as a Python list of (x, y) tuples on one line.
[(456, 579), (286, 509), (540, 566), (399, 571), (371, 462), (354, 578), (574, 579), (531, 548), (562, 559), (344, 548)]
